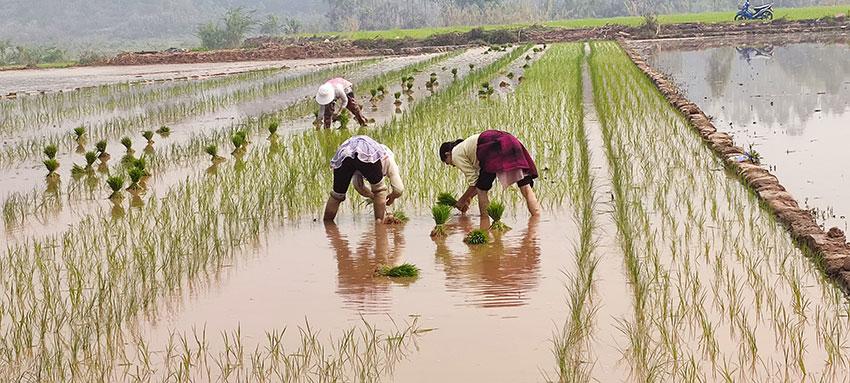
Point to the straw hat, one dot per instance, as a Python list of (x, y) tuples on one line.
[(325, 95)]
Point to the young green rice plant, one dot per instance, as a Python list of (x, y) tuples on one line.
[(239, 141), (51, 164), (397, 101), (753, 155), (148, 135), (446, 199), (486, 90), (50, 151), (476, 237), (116, 184), (441, 214), (405, 270), (382, 90), (91, 157), (272, 128), (344, 119), (495, 210), (409, 86), (510, 75), (454, 72), (471, 66), (135, 175), (374, 93), (163, 131)]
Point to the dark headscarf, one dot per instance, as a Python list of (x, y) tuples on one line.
[(446, 148)]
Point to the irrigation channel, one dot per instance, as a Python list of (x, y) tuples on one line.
[(649, 263)]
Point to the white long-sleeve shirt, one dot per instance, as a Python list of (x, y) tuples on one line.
[(390, 170)]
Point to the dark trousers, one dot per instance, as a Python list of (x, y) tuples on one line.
[(372, 172)]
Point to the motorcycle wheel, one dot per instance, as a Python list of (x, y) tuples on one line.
[(767, 15), (739, 18)]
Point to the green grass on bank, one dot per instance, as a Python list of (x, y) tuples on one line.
[(805, 13)]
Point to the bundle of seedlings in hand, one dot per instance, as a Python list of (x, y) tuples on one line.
[(78, 134), (163, 131), (128, 144), (495, 211), (239, 140), (148, 135), (441, 215), (405, 270), (396, 218), (115, 183), (273, 126), (446, 199), (100, 146), (476, 237)]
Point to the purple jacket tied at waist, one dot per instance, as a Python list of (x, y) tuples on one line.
[(500, 152)]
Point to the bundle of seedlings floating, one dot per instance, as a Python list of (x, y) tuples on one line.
[(495, 211), (212, 150), (405, 270), (240, 142), (510, 75), (100, 147), (51, 163), (476, 237), (471, 66), (454, 72), (446, 199), (441, 215), (135, 175), (486, 90), (79, 135), (148, 135), (116, 184), (397, 217), (163, 131), (128, 144), (272, 128)]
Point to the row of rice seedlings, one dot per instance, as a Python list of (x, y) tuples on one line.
[(56, 108), (159, 115), (70, 295), (571, 344), (181, 155), (715, 278)]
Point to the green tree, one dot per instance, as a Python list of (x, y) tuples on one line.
[(234, 26)]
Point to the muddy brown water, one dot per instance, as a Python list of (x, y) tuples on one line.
[(791, 102), (494, 308)]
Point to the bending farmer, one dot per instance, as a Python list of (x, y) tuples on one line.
[(484, 157), (334, 96), (362, 157)]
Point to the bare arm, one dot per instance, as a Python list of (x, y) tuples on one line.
[(465, 199)]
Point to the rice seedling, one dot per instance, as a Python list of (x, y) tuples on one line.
[(128, 144), (454, 72), (495, 210), (382, 90), (91, 157), (405, 270), (116, 184), (239, 141), (79, 132), (135, 175), (396, 218), (397, 96), (164, 131), (510, 75), (344, 119), (272, 128), (471, 66), (753, 155), (441, 214), (476, 237)]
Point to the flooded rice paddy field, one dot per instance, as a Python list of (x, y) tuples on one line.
[(790, 101), (220, 270)]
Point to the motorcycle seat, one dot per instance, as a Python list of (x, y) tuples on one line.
[(760, 7)]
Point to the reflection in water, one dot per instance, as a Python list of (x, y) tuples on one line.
[(748, 53), (357, 284), (499, 274)]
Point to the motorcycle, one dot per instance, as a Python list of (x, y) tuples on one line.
[(759, 12)]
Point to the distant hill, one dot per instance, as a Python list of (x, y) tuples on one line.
[(129, 23)]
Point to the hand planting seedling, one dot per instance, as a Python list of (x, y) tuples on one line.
[(446, 199), (115, 183), (476, 237), (495, 211), (441, 214), (405, 270), (148, 135), (396, 218), (50, 151)]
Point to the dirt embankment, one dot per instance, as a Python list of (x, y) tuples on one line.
[(266, 48), (831, 245)]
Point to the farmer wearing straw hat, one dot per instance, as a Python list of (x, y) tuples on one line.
[(362, 157), (334, 96), (489, 155)]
